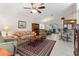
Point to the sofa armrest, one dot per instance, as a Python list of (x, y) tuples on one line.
[(10, 46)]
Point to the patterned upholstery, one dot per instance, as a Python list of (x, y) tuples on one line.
[(23, 36)]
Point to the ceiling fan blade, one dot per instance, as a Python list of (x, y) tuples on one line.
[(27, 8), (42, 7), (32, 3), (38, 11)]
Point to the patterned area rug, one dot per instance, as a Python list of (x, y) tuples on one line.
[(42, 49)]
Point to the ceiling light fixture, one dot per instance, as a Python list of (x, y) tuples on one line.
[(34, 11), (72, 21)]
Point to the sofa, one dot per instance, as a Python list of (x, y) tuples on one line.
[(23, 36)]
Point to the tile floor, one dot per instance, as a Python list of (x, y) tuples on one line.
[(61, 48)]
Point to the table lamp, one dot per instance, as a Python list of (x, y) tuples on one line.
[(6, 29)]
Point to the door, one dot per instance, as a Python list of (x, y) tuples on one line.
[(35, 28)]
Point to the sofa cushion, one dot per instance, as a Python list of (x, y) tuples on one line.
[(25, 37), (16, 34)]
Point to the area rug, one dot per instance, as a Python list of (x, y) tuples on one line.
[(42, 49)]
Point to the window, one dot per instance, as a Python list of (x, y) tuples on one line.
[(42, 26)]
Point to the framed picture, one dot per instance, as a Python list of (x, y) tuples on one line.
[(21, 24)]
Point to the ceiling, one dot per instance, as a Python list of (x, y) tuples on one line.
[(51, 10)]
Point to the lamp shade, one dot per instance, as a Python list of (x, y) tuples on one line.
[(6, 28)]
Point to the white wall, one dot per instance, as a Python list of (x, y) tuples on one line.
[(71, 14), (11, 13), (12, 22), (77, 16), (78, 13)]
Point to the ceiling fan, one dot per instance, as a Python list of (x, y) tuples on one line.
[(36, 8)]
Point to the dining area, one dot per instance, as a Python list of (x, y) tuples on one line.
[(67, 33)]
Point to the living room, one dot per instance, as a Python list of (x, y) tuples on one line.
[(37, 24)]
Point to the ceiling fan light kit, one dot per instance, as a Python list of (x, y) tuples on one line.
[(34, 11), (35, 8)]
